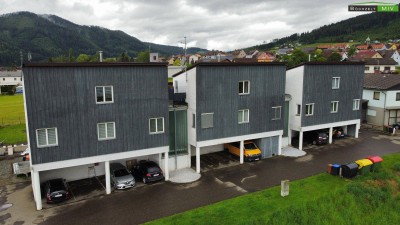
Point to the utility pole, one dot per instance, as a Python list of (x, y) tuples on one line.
[(21, 57), (185, 50)]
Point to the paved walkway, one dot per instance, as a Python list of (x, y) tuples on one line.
[(292, 152), (181, 176)]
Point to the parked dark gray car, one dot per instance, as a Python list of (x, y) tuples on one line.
[(121, 178)]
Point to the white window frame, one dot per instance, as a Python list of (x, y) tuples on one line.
[(106, 125), (298, 110), (356, 104), (243, 119), (156, 120), (310, 109), (47, 137), (334, 106), (243, 87), (201, 116), (335, 82), (275, 108), (104, 94)]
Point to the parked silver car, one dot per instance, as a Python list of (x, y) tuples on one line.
[(121, 178)]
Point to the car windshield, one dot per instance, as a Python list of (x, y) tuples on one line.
[(153, 169), (250, 146), (323, 135), (120, 173)]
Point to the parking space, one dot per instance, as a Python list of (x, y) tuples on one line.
[(215, 160)]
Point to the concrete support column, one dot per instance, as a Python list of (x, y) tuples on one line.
[(107, 174), (197, 159), (330, 134), (301, 140), (36, 189), (357, 129), (159, 158), (280, 145), (166, 166), (241, 152)]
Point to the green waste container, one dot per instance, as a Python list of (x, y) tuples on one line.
[(377, 163), (364, 166)]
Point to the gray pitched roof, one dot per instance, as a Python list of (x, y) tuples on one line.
[(382, 81), (383, 61)]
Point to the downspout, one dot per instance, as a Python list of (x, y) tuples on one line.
[(384, 110)]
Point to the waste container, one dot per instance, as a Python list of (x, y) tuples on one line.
[(364, 166), (349, 170), (377, 163), (329, 168), (335, 169)]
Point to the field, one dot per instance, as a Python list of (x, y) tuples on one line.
[(321, 199), (12, 120)]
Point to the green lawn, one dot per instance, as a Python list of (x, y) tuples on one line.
[(13, 134), (11, 109), (12, 119), (320, 199)]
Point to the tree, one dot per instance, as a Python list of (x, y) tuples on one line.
[(124, 57), (83, 58), (71, 57), (352, 51), (297, 57), (143, 57), (335, 57), (177, 62)]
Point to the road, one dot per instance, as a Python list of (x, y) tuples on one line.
[(163, 199)]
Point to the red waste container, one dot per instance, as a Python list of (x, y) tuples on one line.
[(377, 162)]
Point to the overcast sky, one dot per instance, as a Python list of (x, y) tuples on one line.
[(219, 24)]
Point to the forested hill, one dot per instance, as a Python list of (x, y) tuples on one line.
[(378, 26), (48, 36)]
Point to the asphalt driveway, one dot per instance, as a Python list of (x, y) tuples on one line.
[(150, 202)]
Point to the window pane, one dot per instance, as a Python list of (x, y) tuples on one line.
[(160, 125), (246, 116), (110, 130), (240, 116), (52, 136), (278, 113), (246, 87), (241, 87), (41, 137), (99, 94), (102, 130), (153, 125), (193, 120), (108, 94)]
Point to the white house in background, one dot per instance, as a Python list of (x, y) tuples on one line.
[(394, 54), (383, 94), (194, 58), (380, 65), (11, 77), (174, 69)]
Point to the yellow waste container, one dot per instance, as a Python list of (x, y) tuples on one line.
[(364, 166)]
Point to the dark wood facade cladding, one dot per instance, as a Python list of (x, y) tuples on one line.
[(63, 96)]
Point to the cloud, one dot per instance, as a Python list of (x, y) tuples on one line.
[(223, 24)]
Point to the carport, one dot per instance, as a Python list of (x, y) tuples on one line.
[(89, 162), (350, 127), (199, 146)]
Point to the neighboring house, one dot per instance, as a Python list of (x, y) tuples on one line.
[(252, 54), (324, 96), (233, 102), (378, 47), (383, 94), (154, 57), (265, 57), (308, 50), (394, 54), (362, 47), (174, 69), (194, 58), (284, 51), (80, 117), (341, 46), (324, 46), (328, 52), (366, 54), (386, 65), (10, 78), (239, 54), (171, 60), (344, 56)]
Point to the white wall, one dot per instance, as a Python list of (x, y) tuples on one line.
[(10, 81), (181, 80), (174, 70), (369, 95), (191, 100), (208, 149), (391, 99), (294, 87), (381, 68), (180, 162)]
